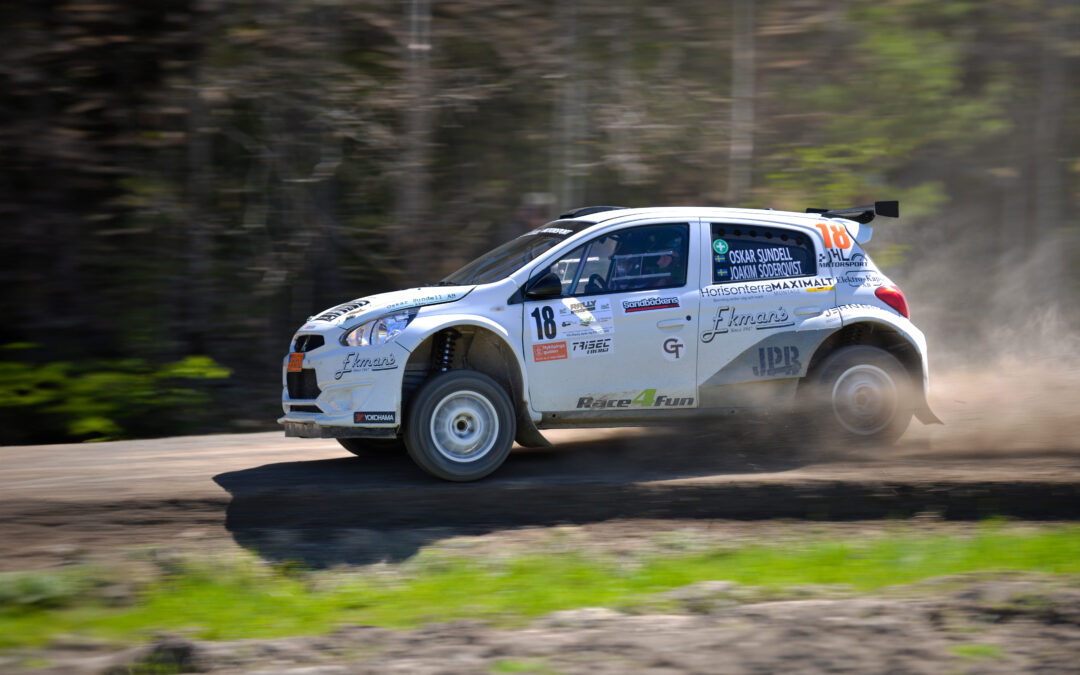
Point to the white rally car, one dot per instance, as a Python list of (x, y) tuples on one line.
[(618, 317)]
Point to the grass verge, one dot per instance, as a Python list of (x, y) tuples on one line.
[(243, 597)]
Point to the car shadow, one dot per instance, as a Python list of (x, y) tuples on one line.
[(381, 507)]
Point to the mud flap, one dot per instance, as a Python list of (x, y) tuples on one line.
[(927, 416), (528, 436)]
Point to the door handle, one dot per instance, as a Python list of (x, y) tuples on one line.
[(670, 323), (808, 310)]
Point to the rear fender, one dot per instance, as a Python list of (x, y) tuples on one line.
[(887, 327)]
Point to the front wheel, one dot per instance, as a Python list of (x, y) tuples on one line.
[(863, 394), (460, 426)]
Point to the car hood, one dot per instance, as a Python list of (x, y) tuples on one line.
[(373, 306)]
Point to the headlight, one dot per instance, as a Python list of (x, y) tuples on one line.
[(378, 331)]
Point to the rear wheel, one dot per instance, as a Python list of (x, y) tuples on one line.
[(460, 426), (863, 394)]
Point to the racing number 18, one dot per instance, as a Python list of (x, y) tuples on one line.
[(546, 328), (839, 238)]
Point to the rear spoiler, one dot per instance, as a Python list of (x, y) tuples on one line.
[(862, 214)]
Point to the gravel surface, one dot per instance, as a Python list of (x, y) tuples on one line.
[(970, 627), (1011, 446)]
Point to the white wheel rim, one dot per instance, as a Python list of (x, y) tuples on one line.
[(464, 426), (865, 399)]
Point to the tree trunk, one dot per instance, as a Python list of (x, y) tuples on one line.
[(411, 229), (567, 156), (742, 107)]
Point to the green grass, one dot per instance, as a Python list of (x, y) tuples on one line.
[(241, 597), (977, 652), (519, 666)]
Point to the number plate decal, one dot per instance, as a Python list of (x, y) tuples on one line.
[(296, 362)]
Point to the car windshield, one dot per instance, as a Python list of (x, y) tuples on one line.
[(501, 262)]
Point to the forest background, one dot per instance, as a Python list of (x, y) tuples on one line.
[(183, 182)]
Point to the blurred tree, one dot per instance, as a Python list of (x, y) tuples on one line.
[(195, 177)]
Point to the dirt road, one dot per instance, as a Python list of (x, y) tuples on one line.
[(1011, 447)]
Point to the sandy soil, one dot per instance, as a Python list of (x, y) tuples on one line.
[(1010, 446), (949, 625)]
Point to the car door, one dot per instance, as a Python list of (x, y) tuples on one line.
[(620, 337), (763, 304)]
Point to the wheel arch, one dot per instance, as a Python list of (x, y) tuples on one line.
[(476, 344), (888, 338)]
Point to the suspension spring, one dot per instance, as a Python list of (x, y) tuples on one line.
[(443, 352)]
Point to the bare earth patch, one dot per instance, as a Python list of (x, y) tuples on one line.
[(1011, 445), (965, 626)]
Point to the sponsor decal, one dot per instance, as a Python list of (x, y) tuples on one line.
[(549, 351), (355, 362), (781, 287), (586, 318), (341, 310), (773, 361), (591, 347), (646, 304), (434, 299), (833, 258), (839, 248), (648, 398), (672, 348), (389, 417), (720, 247), (296, 362), (821, 288), (857, 279), (561, 231), (835, 311), (731, 320), (573, 318)]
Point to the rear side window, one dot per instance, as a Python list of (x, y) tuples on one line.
[(750, 253)]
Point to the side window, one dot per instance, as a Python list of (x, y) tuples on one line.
[(638, 258), (750, 253), (566, 268)]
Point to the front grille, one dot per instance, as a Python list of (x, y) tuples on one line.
[(302, 385), (305, 408), (307, 343)]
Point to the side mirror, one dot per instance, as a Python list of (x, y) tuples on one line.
[(544, 287)]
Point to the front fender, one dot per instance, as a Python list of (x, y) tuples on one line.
[(423, 327)]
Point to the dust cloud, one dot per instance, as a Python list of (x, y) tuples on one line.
[(1008, 405), (1003, 338)]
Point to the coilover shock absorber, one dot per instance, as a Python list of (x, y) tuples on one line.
[(443, 353)]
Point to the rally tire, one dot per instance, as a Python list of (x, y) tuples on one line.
[(364, 447), (862, 395), (460, 426)]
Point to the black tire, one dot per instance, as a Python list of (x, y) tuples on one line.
[(460, 426), (362, 447), (862, 395)]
